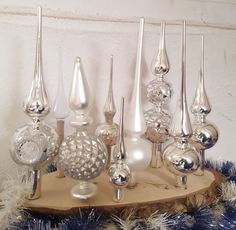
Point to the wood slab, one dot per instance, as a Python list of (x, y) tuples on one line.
[(155, 190)]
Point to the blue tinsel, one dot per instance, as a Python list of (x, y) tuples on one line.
[(203, 218)]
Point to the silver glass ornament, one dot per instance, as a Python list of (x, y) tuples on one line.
[(158, 93), (82, 155), (108, 131), (180, 158), (119, 172), (139, 149), (35, 144), (205, 134)]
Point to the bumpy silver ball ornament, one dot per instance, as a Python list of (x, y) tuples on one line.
[(82, 156), (34, 146)]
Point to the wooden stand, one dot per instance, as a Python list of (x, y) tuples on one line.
[(155, 191)]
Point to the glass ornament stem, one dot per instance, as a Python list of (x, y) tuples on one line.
[(60, 131), (156, 155), (181, 182), (34, 180), (108, 156), (200, 171), (119, 194)]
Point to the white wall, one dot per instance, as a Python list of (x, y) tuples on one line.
[(95, 29)]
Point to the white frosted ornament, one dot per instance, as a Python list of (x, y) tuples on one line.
[(139, 150)]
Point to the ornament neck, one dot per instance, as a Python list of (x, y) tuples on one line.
[(200, 118), (37, 122)]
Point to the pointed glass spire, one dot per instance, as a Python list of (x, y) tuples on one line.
[(60, 109), (181, 125), (122, 150), (109, 107), (201, 105), (135, 119), (36, 104), (79, 99), (160, 64)]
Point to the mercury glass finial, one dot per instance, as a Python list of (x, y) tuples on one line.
[(35, 144), (80, 100), (108, 131), (181, 125), (139, 149), (158, 93), (135, 120), (82, 155), (180, 158), (201, 103), (205, 134), (160, 64), (119, 171), (36, 104)]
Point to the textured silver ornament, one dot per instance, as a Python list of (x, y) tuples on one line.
[(158, 93), (35, 144), (82, 156), (180, 157)]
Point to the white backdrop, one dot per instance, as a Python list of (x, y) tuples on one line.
[(94, 30)]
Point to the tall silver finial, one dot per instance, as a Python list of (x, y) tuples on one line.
[(180, 157), (35, 144), (201, 103), (119, 172), (80, 100), (160, 64), (135, 120), (205, 134), (36, 104), (181, 125), (110, 107), (108, 131)]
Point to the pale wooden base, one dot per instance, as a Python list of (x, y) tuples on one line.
[(155, 190)]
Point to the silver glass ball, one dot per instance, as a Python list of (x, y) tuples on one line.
[(181, 160), (205, 136), (82, 156), (119, 174), (158, 92), (157, 125), (108, 133), (32, 146)]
